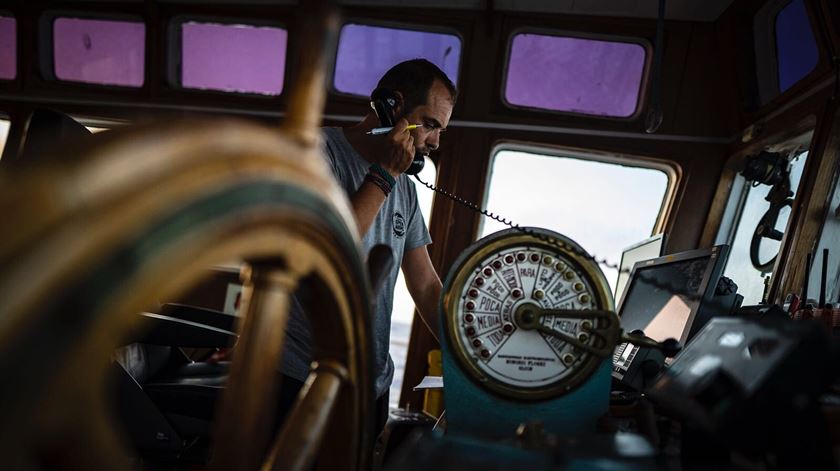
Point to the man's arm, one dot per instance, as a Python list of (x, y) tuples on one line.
[(394, 155), (424, 286), (366, 202)]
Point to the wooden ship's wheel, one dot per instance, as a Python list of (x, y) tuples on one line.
[(92, 239)]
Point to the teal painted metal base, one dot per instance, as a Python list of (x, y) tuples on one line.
[(475, 411)]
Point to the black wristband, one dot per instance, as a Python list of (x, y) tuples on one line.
[(377, 169)]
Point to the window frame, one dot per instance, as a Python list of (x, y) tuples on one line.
[(174, 52), (391, 25), (767, 53), (672, 170), (644, 84), (46, 52), (739, 189)]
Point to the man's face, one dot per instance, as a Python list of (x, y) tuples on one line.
[(433, 115)]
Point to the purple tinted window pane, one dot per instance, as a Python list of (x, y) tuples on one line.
[(99, 51), (573, 74), (233, 58), (365, 53), (8, 48), (796, 47)]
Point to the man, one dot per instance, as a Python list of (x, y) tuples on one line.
[(384, 201)]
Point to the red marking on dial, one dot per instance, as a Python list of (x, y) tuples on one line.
[(517, 293), (479, 281), (470, 331), (508, 328), (476, 343), (497, 264), (485, 353), (535, 257), (470, 305), (473, 293), (469, 318), (508, 258), (520, 256), (488, 272)]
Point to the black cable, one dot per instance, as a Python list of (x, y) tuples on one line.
[(557, 243), (524, 230)]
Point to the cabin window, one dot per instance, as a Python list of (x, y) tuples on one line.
[(785, 47), (796, 48), (4, 134), (104, 52), (233, 57), (604, 205), (576, 75), (829, 239), (366, 52), (752, 204), (403, 311), (8, 48)]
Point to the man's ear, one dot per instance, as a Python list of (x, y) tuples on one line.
[(399, 108)]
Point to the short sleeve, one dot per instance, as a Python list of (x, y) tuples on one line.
[(417, 233)]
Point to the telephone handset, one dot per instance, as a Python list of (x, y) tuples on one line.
[(383, 101)]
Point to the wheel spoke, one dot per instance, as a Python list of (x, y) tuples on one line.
[(245, 416), (299, 441)]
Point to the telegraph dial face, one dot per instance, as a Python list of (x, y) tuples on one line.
[(495, 299)]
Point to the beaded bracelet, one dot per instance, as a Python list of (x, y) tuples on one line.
[(378, 170), (377, 180)]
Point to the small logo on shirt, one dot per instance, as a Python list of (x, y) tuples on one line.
[(399, 224)]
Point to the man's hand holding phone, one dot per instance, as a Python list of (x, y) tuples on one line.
[(400, 150)]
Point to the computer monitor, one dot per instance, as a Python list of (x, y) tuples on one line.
[(644, 250), (648, 304)]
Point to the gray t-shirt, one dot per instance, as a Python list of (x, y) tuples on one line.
[(399, 225)]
